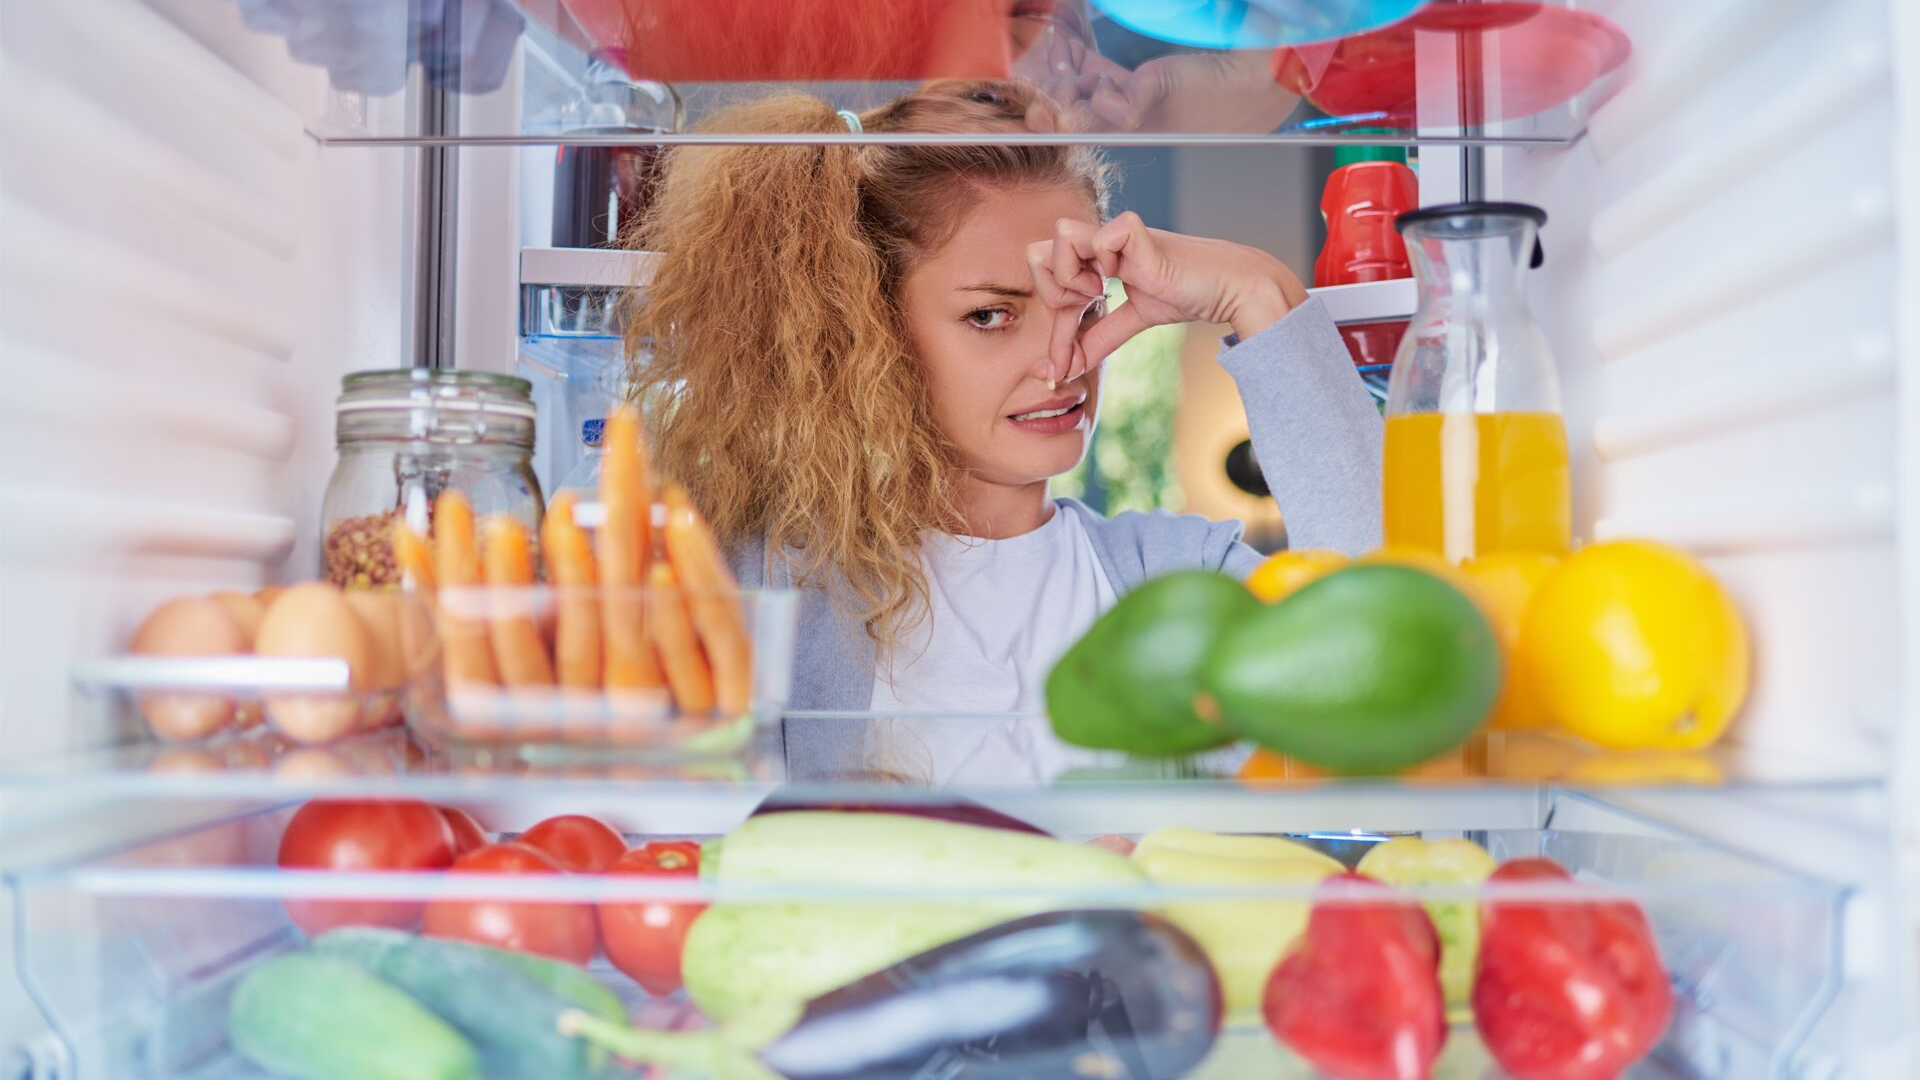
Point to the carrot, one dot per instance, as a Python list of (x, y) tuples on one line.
[(469, 658), (714, 599), (413, 557), (687, 673), (508, 555), (626, 499), (570, 570)]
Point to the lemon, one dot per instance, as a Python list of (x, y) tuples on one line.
[(1285, 571), (1505, 585), (1633, 645)]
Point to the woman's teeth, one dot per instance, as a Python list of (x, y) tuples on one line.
[(1044, 413)]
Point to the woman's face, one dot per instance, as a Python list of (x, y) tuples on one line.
[(982, 333)]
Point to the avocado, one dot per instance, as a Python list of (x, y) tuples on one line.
[(1370, 669), (1129, 683)]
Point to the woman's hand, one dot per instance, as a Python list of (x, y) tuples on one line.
[(1169, 278)]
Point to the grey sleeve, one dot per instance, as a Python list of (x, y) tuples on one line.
[(1316, 430)]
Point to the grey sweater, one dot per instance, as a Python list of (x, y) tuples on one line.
[(1316, 433)]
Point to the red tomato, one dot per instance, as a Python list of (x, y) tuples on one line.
[(644, 939), (557, 930), (363, 835), (467, 833), (578, 843)]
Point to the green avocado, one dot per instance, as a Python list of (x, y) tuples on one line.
[(1370, 669), (1129, 684)]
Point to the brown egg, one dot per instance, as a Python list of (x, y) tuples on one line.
[(315, 620), (246, 610), (188, 626), (380, 613), (267, 594)]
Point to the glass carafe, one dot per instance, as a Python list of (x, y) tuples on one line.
[(1476, 451)]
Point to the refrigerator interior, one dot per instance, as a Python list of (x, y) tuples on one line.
[(203, 235)]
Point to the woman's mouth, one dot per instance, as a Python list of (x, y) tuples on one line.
[(1055, 417)]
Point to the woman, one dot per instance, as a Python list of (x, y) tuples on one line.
[(871, 360)]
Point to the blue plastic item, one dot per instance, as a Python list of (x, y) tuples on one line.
[(1254, 24)]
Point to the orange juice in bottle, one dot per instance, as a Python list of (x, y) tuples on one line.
[(1468, 484), (1476, 451)]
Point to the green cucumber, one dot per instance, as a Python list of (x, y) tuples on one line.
[(367, 946), (740, 954), (318, 1018), (508, 1015)]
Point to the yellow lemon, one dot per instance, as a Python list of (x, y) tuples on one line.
[(1633, 645), (1507, 582), (1285, 571)]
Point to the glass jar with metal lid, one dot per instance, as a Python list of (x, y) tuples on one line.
[(404, 437)]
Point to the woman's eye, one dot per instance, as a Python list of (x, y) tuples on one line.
[(989, 318)]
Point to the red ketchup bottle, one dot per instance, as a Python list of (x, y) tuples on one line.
[(1371, 187)]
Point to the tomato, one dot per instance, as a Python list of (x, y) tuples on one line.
[(578, 843), (363, 835), (558, 930), (467, 833), (644, 939)]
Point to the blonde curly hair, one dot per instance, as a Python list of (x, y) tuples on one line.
[(782, 388)]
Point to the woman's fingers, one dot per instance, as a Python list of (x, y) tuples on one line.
[(1127, 246), (1053, 293), (1119, 326), (1061, 344), (1075, 262)]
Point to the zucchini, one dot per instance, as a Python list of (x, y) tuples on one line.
[(740, 954), (367, 946), (509, 1016), (318, 1018)]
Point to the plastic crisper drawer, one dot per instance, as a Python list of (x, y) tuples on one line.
[(134, 954)]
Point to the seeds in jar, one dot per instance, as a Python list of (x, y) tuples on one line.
[(358, 551)]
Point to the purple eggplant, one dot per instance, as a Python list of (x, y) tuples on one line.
[(940, 808), (1098, 995)]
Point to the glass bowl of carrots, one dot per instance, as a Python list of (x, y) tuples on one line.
[(616, 626)]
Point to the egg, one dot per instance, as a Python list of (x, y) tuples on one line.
[(315, 620), (380, 612), (246, 610), (188, 626)]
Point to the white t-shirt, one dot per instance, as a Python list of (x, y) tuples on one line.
[(1000, 612)]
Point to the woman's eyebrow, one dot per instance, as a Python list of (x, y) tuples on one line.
[(997, 290)]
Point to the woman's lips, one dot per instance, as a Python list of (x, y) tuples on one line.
[(1052, 418)]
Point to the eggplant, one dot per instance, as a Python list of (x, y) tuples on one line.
[(1100, 995), (941, 808)]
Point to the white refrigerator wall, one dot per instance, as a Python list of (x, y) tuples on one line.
[(1729, 288), (184, 277), (1720, 289)]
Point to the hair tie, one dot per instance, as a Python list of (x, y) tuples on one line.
[(853, 120)]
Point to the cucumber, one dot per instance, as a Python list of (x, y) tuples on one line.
[(368, 946), (318, 1018), (509, 1016)]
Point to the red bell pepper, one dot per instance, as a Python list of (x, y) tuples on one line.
[(1567, 990), (1358, 995)]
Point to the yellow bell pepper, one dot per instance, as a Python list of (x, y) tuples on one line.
[(1411, 861), (1244, 939)]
